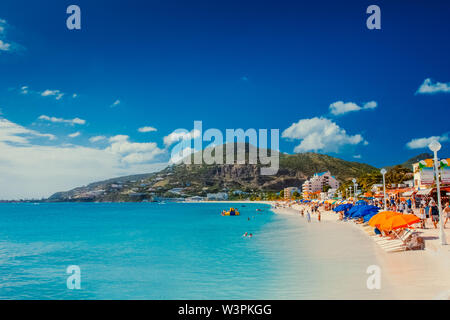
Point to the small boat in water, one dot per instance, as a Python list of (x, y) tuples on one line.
[(231, 212)]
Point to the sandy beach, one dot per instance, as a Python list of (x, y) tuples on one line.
[(421, 274)]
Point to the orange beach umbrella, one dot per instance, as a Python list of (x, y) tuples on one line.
[(381, 217), (399, 221)]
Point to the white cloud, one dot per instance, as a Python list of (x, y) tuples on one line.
[(357, 156), (428, 87), (24, 90), (3, 25), (58, 94), (115, 104), (340, 107), (29, 169), (61, 120), (179, 135), (147, 129), (134, 152), (4, 46), (320, 134), (39, 171), (370, 105), (97, 139), (420, 143), (75, 134), (14, 133)]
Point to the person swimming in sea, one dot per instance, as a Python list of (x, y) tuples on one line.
[(245, 234), (250, 235)]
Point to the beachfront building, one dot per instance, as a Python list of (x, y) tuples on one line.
[(318, 181), (195, 198), (288, 192), (239, 193), (328, 195), (176, 190), (220, 196), (423, 178), (332, 193), (377, 188)]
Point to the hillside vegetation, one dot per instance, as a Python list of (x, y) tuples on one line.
[(200, 179)]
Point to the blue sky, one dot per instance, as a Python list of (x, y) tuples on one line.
[(291, 65)]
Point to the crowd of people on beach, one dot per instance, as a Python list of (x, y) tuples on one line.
[(425, 210)]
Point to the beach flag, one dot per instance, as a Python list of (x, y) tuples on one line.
[(427, 163), (445, 171)]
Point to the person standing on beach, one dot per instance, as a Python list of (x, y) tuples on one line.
[(423, 202), (308, 216), (422, 216), (446, 214), (318, 215), (434, 212)]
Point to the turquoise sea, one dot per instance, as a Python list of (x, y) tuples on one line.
[(173, 251)]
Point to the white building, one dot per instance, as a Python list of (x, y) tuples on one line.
[(288, 192), (195, 198), (217, 196), (377, 188), (176, 190), (328, 195), (423, 174), (318, 181)]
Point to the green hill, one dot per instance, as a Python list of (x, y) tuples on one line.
[(200, 179), (408, 164)]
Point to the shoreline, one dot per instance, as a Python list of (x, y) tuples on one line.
[(414, 274)]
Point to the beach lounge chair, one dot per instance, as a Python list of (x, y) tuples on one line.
[(399, 236), (401, 244), (401, 247), (377, 238)]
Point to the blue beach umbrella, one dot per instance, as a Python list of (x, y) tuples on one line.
[(359, 202), (364, 210), (343, 207), (369, 216), (352, 211)]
